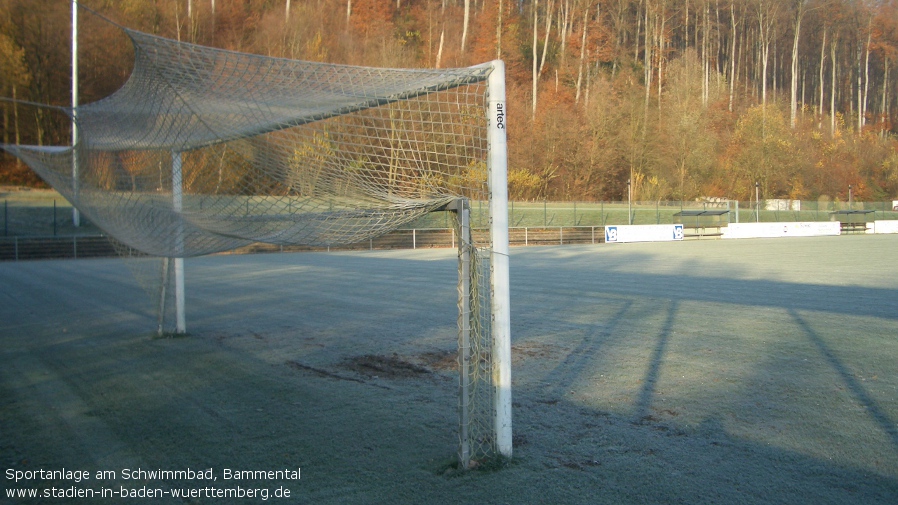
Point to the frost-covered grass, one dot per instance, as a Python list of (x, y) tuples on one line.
[(751, 371)]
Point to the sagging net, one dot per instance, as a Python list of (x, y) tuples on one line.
[(205, 150)]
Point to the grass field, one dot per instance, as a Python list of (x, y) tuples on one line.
[(749, 371)]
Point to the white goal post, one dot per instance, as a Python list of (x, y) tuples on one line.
[(499, 277), (205, 150)]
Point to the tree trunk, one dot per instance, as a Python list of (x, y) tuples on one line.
[(564, 18), (832, 84), (775, 80), (582, 53), (440, 49), (15, 115), (535, 68), (542, 62), (717, 57), (38, 119), (442, 34), (648, 59), (499, 33), (636, 37), (860, 115), (732, 54), (740, 54), (794, 89), (764, 35), (863, 108), (706, 57), (883, 110), (822, 65), (6, 125), (464, 31), (588, 83), (661, 8)]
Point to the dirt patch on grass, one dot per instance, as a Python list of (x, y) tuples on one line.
[(388, 367), (443, 361)]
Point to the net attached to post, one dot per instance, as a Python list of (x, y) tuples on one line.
[(477, 437), (205, 150), (270, 150)]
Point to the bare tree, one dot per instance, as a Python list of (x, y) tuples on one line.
[(647, 63), (833, 46), (499, 32), (862, 102), (535, 39), (442, 34), (766, 12), (820, 78), (734, 28), (800, 8), (542, 62), (464, 32), (582, 52)]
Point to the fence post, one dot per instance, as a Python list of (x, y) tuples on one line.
[(5, 218)]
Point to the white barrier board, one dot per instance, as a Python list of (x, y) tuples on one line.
[(890, 226), (643, 233), (773, 230)]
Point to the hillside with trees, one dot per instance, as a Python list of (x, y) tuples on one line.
[(684, 98)]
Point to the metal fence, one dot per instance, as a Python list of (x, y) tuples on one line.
[(92, 246), (38, 224), (554, 214), (72, 246)]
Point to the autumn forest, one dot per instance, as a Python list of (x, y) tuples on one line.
[(684, 98)]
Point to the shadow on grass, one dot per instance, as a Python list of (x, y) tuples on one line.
[(872, 407), (650, 383)]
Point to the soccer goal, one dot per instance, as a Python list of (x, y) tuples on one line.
[(205, 150)]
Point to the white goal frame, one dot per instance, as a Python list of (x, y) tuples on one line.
[(109, 174)]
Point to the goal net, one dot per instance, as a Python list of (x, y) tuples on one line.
[(205, 150)]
